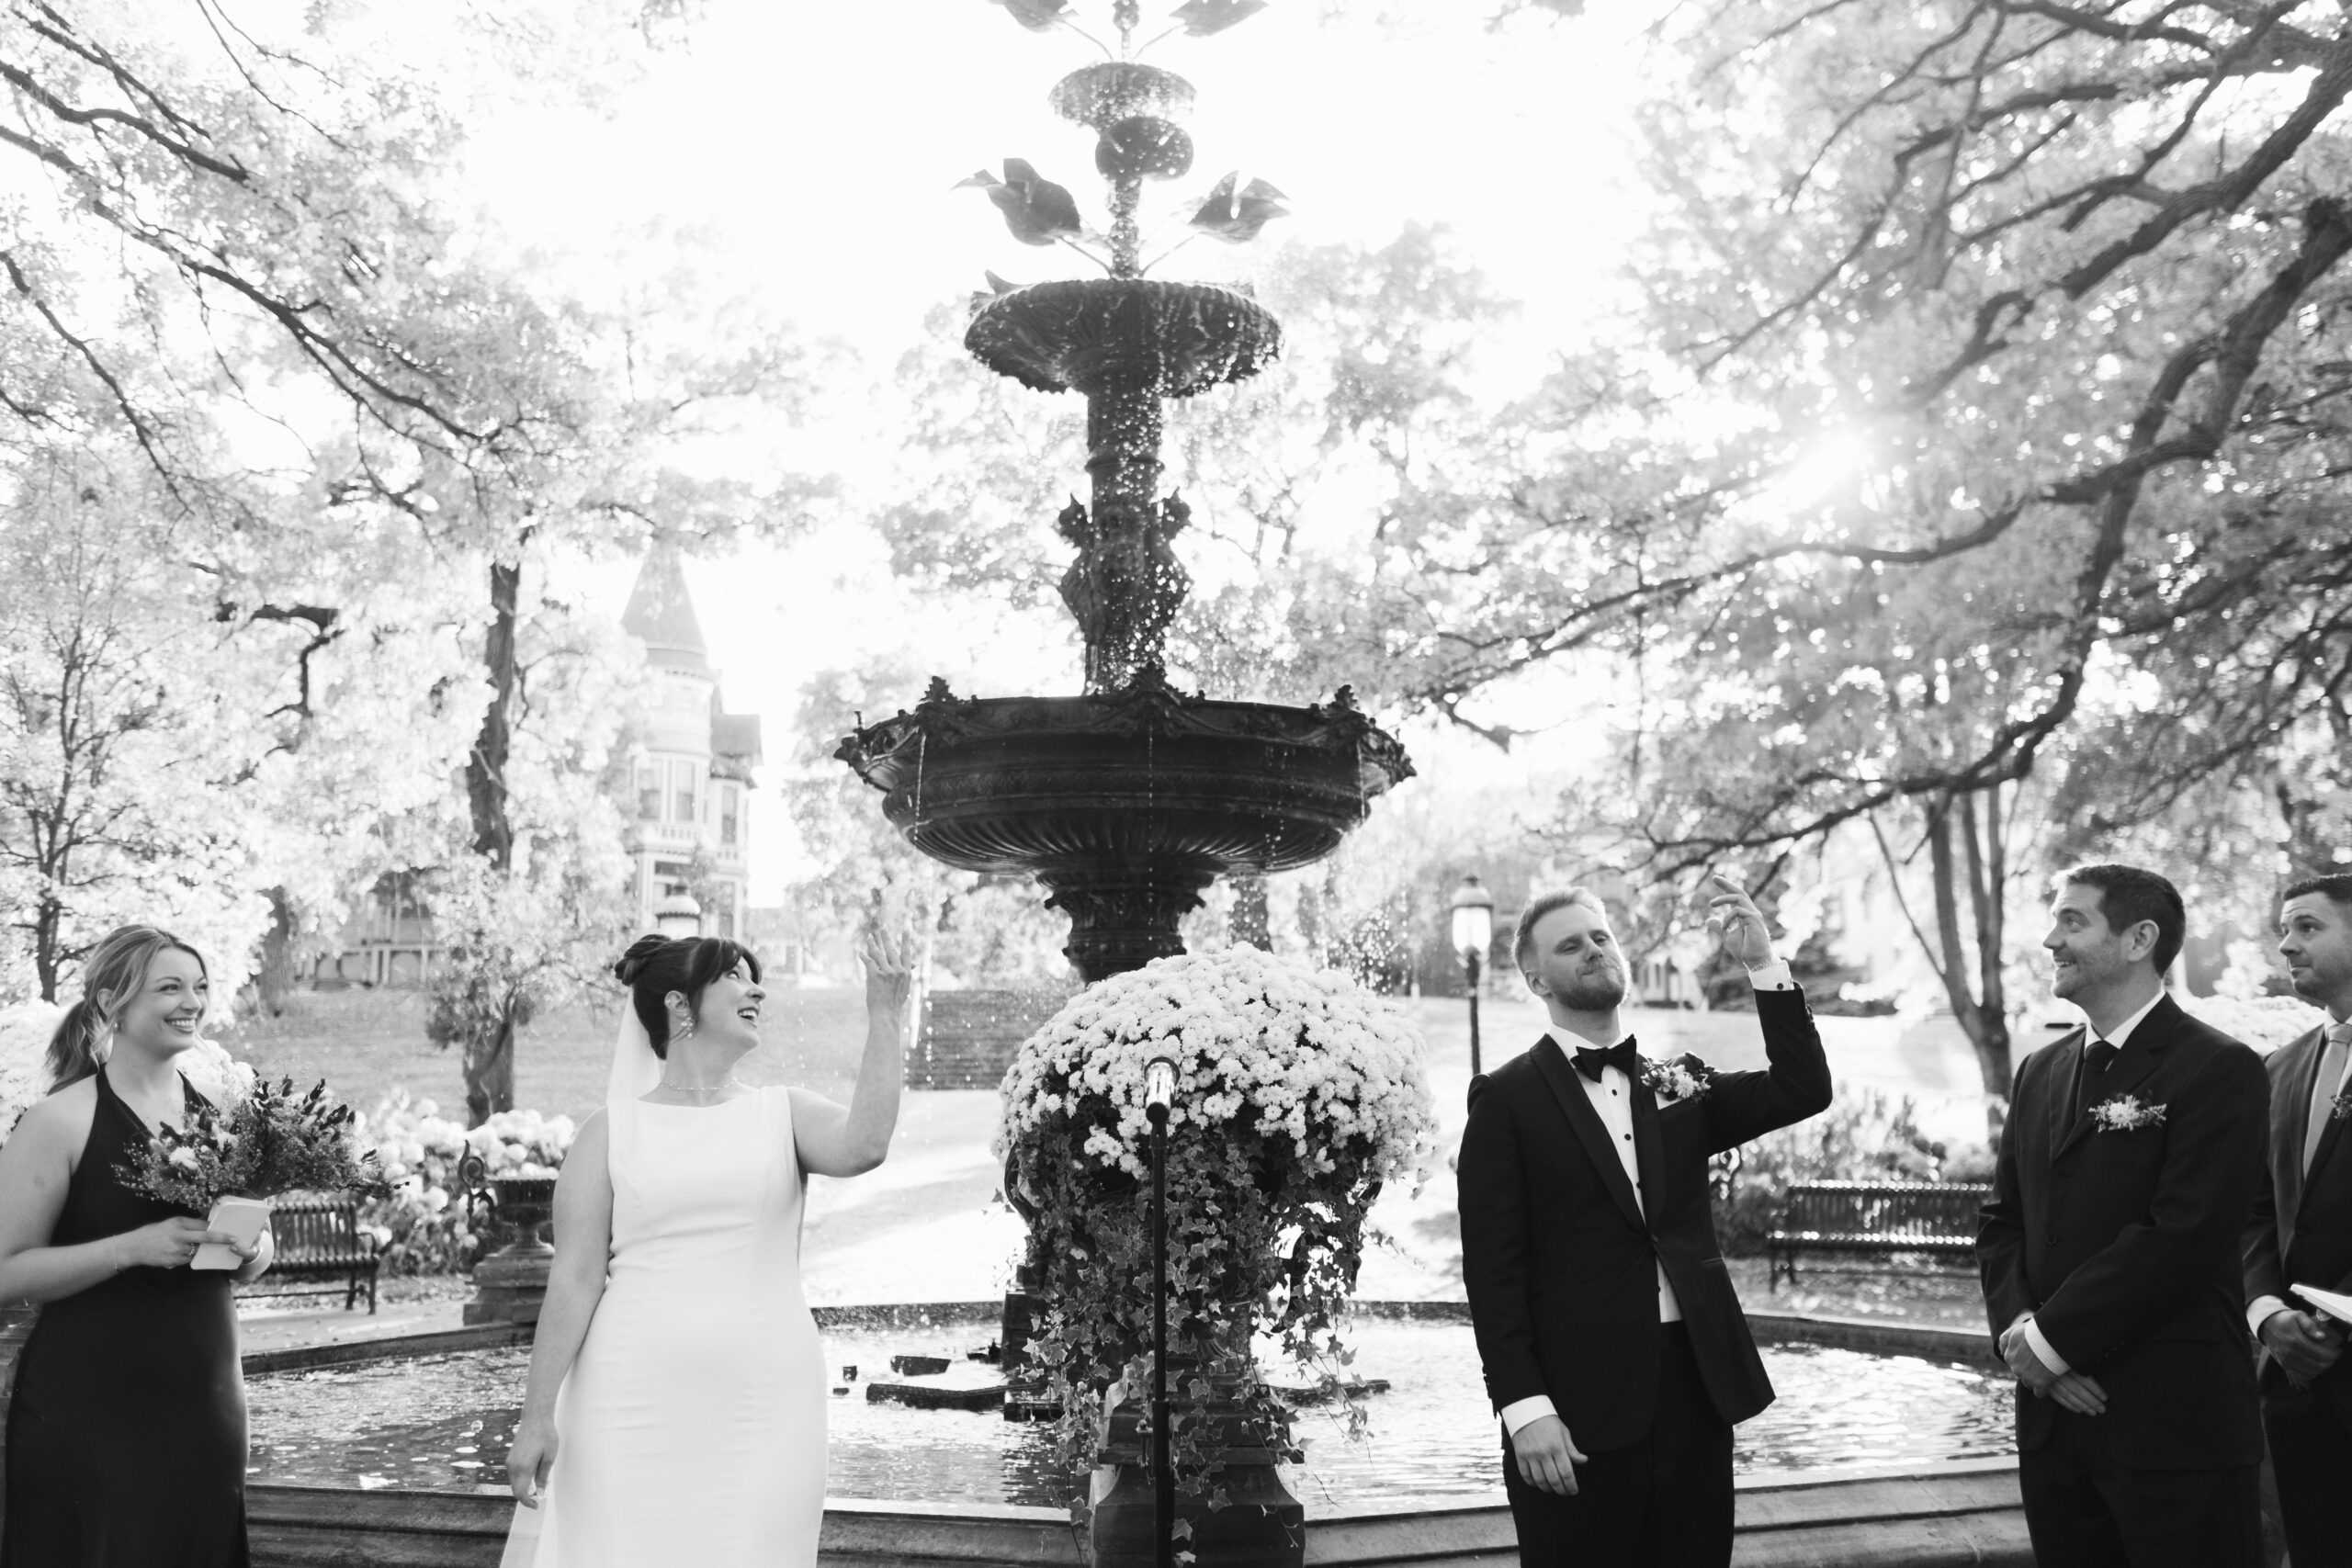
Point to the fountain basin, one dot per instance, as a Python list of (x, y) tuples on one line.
[(1076, 785), (1124, 335), (1124, 804)]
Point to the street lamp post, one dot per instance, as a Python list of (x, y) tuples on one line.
[(678, 916), (1474, 931)]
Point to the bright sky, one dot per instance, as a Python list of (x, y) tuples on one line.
[(819, 145)]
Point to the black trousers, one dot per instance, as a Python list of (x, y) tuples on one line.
[(2084, 1510), (2311, 1454), (1663, 1503)]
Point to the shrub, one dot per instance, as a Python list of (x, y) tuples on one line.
[(1863, 1136), (423, 1227)]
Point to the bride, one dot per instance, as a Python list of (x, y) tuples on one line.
[(676, 1406)]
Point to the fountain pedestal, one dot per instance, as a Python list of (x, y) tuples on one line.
[(511, 1284), (1262, 1526)]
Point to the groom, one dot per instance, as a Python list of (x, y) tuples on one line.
[(1615, 1350), (2110, 1252)]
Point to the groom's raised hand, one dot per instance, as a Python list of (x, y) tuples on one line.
[(1546, 1456), (1734, 921)]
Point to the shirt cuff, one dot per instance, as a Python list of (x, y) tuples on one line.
[(1773, 977), (1519, 1411), (2050, 1358), (2259, 1310)]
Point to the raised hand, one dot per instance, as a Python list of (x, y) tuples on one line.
[(1733, 920), (888, 952)]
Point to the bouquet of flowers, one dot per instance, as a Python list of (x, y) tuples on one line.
[(229, 1159)]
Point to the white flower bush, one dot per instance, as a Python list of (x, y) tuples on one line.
[(1301, 1052), (423, 1227), (1299, 1096), (25, 1029)]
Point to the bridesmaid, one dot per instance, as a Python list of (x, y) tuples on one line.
[(127, 1434)]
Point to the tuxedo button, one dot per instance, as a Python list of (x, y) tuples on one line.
[(2050, 1241)]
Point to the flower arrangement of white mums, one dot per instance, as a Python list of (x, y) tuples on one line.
[(1299, 1095)]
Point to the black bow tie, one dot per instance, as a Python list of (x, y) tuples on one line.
[(2098, 1054), (1620, 1057)]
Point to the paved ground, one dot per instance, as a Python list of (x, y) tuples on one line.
[(927, 1226)]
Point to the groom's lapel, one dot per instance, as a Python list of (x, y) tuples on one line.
[(2134, 1061), (1560, 1077)]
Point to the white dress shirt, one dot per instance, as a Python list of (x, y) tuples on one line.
[(1612, 1099), (2324, 1093), (2115, 1037)]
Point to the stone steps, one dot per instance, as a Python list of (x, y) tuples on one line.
[(968, 1037)]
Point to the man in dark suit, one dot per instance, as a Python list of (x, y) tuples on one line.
[(2110, 1252), (2301, 1235), (1615, 1352)]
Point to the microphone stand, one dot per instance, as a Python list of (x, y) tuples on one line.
[(1160, 1089)]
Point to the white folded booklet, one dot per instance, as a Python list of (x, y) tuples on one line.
[(239, 1217), (2338, 1307)]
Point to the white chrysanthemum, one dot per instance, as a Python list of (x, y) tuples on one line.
[(1317, 1057)]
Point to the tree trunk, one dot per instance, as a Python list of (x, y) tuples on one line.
[(489, 1057), (1974, 990), (1988, 874), (48, 957), (486, 764), (490, 1073)]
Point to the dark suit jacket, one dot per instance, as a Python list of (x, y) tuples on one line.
[(2302, 1229), (2125, 1246), (1559, 1262)]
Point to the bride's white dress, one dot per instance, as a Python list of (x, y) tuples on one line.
[(692, 1427)]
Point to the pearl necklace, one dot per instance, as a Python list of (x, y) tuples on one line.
[(702, 1094)]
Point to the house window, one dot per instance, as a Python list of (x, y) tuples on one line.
[(682, 792), (649, 792), (730, 815)]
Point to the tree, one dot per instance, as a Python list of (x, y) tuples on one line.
[(255, 228), (1976, 441), (2041, 303)]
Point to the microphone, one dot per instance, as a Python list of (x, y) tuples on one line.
[(1158, 1089)]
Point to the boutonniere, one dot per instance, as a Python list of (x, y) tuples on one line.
[(1685, 1078), (2340, 1106), (2126, 1113)]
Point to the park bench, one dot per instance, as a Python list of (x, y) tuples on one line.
[(320, 1250), (1855, 1219)]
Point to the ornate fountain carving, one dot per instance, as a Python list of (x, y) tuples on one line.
[(1128, 801)]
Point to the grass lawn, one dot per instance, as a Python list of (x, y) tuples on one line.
[(366, 1044)]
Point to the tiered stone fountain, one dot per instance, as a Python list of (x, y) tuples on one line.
[(1126, 801)]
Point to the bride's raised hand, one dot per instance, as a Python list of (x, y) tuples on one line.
[(889, 953)]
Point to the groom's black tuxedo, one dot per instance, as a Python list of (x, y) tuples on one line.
[(1561, 1264), (2125, 1247), (2301, 1235)]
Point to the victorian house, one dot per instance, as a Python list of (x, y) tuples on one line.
[(689, 811), (691, 760)]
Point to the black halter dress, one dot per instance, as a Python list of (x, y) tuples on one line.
[(127, 1431)]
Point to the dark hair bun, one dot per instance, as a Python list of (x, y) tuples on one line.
[(641, 952)]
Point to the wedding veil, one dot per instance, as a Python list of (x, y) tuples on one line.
[(636, 1069)]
